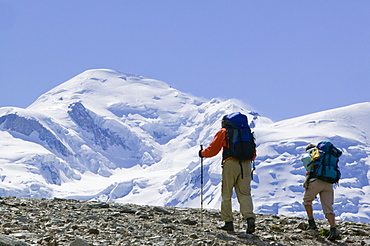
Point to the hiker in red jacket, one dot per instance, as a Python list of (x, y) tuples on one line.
[(235, 174)]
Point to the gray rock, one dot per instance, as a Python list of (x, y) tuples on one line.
[(69, 222), (79, 242), (8, 241)]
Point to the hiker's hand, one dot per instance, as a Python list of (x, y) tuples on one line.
[(305, 184), (200, 154)]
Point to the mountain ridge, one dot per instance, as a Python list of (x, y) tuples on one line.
[(132, 139)]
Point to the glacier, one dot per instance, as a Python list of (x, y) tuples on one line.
[(111, 136)]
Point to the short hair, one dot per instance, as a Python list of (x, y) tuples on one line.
[(310, 146)]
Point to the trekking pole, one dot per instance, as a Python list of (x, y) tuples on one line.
[(201, 188)]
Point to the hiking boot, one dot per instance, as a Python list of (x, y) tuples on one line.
[(251, 225), (229, 226), (311, 224), (334, 234)]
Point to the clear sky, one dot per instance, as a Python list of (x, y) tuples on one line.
[(284, 58)]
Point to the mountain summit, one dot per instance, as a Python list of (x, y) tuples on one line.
[(110, 136)]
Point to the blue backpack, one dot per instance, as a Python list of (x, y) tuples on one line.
[(326, 167), (240, 138)]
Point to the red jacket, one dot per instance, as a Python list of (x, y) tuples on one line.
[(219, 141)]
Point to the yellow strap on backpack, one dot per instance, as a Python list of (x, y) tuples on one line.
[(315, 154)]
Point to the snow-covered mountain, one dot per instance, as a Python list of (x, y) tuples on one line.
[(111, 136)]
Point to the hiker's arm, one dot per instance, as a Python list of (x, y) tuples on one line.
[(217, 143), (255, 155), (307, 162), (306, 181)]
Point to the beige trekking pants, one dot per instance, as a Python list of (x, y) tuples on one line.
[(232, 178), (326, 192)]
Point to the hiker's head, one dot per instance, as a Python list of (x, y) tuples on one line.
[(223, 122), (310, 146)]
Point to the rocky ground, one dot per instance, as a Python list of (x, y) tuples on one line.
[(80, 223)]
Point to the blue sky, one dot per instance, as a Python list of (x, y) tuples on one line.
[(283, 58)]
